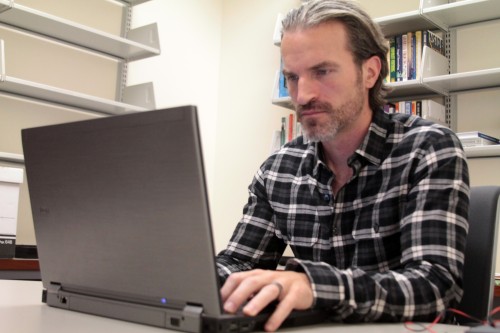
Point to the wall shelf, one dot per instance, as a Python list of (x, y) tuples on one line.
[(140, 97), (460, 82), (141, 42), (10, 157), (482, 151), (400, 23), (463, 12), (65, 97), (439, 15)]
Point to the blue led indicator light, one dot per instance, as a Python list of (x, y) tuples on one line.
[(164, 301)]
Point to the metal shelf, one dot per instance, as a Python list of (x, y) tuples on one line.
[(482, 151), (141, 42), (463, 12), (9, 157), (466, 81), (65, 97), (400, 23)]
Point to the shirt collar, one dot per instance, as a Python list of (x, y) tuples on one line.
[(374, 146), (373, 149)]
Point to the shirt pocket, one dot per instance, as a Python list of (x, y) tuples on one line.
[(298, 232), (377, 242)]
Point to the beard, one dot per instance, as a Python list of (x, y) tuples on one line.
[(338, 118)]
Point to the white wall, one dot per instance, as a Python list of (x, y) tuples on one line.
[(219, 55), (246, 119), (187, 71)]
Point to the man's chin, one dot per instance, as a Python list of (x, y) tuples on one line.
[(313, 136)]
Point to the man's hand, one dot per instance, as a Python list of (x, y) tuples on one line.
[(261, 287)]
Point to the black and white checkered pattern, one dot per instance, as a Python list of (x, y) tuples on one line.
[(389, 246)]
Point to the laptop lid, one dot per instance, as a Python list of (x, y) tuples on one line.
[(120, 209)]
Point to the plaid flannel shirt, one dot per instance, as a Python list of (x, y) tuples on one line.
[(389, 246)]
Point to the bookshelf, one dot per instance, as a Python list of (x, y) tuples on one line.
[(62, 62), (439, 76), (140, 43), (448, 17)]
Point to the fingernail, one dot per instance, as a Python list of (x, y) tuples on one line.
[(249, 310), (269, 328), (229, 307)]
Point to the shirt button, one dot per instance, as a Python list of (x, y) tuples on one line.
[(326, 197)]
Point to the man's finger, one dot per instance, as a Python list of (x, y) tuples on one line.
[(239, 291), (266, 295), (283, 309)]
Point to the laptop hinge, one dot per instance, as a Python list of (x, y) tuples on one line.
[(191, 317), (53, 295)]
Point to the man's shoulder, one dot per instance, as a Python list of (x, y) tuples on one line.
[(291, 154), (410, 126)]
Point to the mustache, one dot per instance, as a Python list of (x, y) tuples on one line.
[(313, 106)]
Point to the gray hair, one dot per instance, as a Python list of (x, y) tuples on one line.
[(365, 38)]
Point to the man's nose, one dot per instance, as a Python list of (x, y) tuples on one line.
[(305, 91)]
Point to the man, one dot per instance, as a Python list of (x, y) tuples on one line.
[(374, 206)]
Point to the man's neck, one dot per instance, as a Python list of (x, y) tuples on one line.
[(338, 151)]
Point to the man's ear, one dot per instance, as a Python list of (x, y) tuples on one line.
[(371, 71)]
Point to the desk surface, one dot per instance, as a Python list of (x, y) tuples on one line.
[(21, 310)]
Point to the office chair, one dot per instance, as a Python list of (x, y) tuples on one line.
[(480, 253)]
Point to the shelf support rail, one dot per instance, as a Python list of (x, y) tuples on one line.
[(2, 61)]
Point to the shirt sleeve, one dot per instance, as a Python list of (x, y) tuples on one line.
[(254, 243), (433, 235)]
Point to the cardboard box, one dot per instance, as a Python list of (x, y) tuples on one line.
[(10, 183)]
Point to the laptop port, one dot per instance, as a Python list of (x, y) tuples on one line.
[(175, 322)]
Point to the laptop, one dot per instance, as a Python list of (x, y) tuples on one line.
[(122, 222)]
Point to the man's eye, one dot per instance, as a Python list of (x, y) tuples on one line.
[(322, 72), (291, 78)]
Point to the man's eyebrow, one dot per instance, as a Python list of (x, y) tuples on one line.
[(324, 64), (321, 65)]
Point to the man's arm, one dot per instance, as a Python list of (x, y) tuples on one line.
[(254, 243)]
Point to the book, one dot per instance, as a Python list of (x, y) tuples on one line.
[(398, 57), (275, 141), (433, 111), (284, 128), (291, 127), (418, 54), (10, 183), (426, 109), (432, 40), (410, 55), (282, 88), (392, 59), (476, 138), (404, 57)]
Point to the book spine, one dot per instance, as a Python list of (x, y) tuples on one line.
[(399, 57), (283, 131), (392, 59), (410, 60), (487, 137), (418, 107), (413, 56), (408, 107), (404, 57), (433, 41), (418, 54), (282, 89)]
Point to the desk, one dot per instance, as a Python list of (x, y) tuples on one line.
[(21, 310)]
